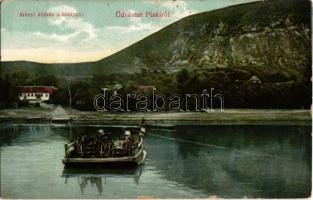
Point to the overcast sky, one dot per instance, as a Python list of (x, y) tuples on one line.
[(97, 34)]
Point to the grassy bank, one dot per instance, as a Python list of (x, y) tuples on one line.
[(231, 116)]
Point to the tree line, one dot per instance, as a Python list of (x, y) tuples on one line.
[(238, 92)]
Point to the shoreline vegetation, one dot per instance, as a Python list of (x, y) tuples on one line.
[(255, 55), (227, 117)]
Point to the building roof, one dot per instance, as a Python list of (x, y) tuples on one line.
[(145, 88), (37, 89), (254, 78)]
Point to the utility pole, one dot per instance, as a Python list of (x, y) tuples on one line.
[(69, 92)]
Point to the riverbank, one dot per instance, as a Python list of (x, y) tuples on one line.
[(230, 116)]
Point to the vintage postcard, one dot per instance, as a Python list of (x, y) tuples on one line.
[(155, 99)]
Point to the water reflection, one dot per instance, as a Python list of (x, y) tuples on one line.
[(236, 161), (184, 162), (97, 181), (97, 178)]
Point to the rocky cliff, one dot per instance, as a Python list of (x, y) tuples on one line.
[(258, 55), (265, 38), (270, 37)]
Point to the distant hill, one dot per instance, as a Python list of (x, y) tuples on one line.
[(267, 39)]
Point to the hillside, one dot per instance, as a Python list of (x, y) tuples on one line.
[(268, 39)]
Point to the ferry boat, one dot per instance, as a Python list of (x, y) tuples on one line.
[(106, 149)]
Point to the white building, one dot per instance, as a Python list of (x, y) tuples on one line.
[(35, 93)]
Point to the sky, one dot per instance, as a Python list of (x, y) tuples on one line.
[(95, 34)]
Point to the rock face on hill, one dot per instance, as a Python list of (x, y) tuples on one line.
[(270, 39), (258, 55)]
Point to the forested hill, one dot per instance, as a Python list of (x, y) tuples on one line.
[(270, 38)]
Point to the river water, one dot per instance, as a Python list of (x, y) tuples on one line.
[(182, 162)]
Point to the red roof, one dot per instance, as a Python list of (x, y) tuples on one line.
[(145, 88), (37, 89)]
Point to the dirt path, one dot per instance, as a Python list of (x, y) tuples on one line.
[(231, 116)]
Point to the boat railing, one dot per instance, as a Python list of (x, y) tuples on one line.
[(68, 148), (140, 143), (79, 148), (139, 146)]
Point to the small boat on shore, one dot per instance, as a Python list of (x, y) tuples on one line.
[(60, 119), (107, 150)]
